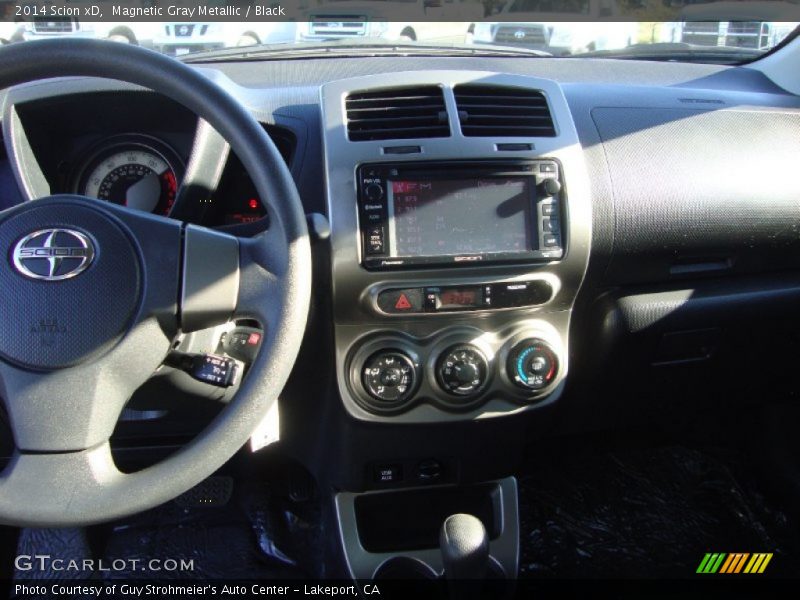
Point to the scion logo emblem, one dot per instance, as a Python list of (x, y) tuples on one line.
[(53, 254)]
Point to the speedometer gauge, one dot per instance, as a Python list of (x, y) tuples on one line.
[(134, 174)]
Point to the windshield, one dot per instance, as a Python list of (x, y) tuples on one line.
[(725, 31)]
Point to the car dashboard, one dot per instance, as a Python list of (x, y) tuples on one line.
[(639, 245)]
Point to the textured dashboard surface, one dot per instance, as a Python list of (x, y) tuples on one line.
[(702, 185), (280, 74)]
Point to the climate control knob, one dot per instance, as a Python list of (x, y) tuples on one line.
[(532, 364), (389, 376), (462, 370)]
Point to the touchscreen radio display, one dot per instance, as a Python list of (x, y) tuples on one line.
[(446, 217)]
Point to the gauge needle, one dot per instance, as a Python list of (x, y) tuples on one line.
[(144, 194)]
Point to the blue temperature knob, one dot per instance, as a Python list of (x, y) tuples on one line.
[(532, 364)]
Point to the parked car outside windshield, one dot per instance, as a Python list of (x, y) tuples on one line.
[(572, 28)]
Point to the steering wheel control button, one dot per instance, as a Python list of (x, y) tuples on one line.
[(532, 365), (401, 301), (462, 370), (389, 377)]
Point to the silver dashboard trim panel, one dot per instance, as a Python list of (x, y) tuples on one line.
[(353, 306)]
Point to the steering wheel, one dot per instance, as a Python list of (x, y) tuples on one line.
[(93, 294)]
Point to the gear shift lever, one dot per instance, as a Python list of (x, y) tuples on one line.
[(465, 554)]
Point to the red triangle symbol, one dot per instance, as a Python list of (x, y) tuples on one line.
[(402, 303)]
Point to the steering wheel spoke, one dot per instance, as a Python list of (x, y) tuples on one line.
[(262, 272), (72, 409), (227, 277), (203, 173)]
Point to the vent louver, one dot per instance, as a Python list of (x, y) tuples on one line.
[(492, 111), (397, 114)]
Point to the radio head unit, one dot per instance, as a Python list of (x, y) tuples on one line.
[(459, 213)]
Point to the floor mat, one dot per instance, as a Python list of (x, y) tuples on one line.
[(645, 512)]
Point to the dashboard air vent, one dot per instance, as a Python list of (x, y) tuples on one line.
[(396, 114), (492, 111)]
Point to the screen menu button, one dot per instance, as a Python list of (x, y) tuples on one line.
[(375, 240)]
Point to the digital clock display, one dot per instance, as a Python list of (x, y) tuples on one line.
[(454, 298)]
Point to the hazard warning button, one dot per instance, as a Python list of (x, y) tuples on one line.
[(401, 301)]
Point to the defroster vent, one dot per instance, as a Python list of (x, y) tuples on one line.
[(396, 114), (493, 111)]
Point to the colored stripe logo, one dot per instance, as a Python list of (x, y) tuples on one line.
[(733, 563)]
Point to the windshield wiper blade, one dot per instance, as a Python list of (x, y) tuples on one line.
[(283, 51)]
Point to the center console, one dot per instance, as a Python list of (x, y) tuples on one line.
[(460, 235), (457, 247)]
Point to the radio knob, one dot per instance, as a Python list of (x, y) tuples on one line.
[(373, 192), (462, 370), (532, 364), (550, 187), (389, 376)]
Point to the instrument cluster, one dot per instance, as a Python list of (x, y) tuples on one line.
[(145, 173), (133, 150)]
